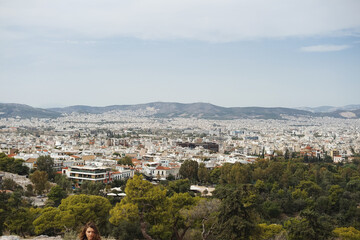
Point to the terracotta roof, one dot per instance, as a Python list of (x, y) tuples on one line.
[(162, 168), (6, 191), (31, 160)]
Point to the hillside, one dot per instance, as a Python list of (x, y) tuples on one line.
[(172, 109), (12, 110)]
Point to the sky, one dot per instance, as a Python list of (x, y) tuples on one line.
[(231, 53)]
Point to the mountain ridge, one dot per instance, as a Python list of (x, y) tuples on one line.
[(13, 110), (186, 110)]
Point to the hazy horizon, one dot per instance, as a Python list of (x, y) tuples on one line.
[(64, 106)]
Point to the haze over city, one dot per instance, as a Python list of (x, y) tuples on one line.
[(228, 53)]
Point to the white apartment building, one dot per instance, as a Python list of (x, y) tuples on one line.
[(88, 173)]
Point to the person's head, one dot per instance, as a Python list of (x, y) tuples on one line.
[(89, 232)]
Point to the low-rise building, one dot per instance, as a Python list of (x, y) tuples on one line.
[(88, 173)]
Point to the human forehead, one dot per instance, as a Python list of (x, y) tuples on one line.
[(90, 229)]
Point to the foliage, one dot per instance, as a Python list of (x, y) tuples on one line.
[(235, 174), (91, 188), (56, 194), (189, 169), (309, 226), (12, 165), (126, 230), (73, 212), (49, 222), (215, 175), (179, 186), (236, 218), (299, 229), (119, 183), (270, 199), (177, 222), (347, 233), (203, 173), (76, 210), (46, 164), (5, 209), (63, 182), (10, 184), (268, 231), (203, 217), (20, 221), (143, 203), (39, 179), (125, 161)]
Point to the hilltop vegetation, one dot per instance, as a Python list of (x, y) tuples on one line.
[(270, 199)]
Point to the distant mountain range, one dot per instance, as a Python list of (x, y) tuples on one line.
[(12, 110), (196, 110), (327, 109)]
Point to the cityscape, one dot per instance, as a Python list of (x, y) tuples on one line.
[(179, 120), (96, 154)]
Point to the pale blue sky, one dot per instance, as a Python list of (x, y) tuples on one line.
[(270, 53)]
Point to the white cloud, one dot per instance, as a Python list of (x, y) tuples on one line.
[(324, 48), (205, 20)]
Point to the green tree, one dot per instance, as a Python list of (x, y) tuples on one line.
[(236, 173), (18, 167), (178, 202), (347, 233), (236, 218), (144, 203), (46, 164), (204, 215), (63, 182), (29, 190), (12, 165), (268, 231), (91, 188), (215, 176), (335, 193), (5, 209), (318, 223), (9, 184), (126, 230), (310, 226), (170, 177), (179, 186), (76, 210), (125, 161), (56, 194), (311, 188), (39, 179), (21, 220), (299, 229), (203, 173), (271, 209), (189, 169), (49, 222), (286, 154)]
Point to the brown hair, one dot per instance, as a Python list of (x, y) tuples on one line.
[(82, 234)]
